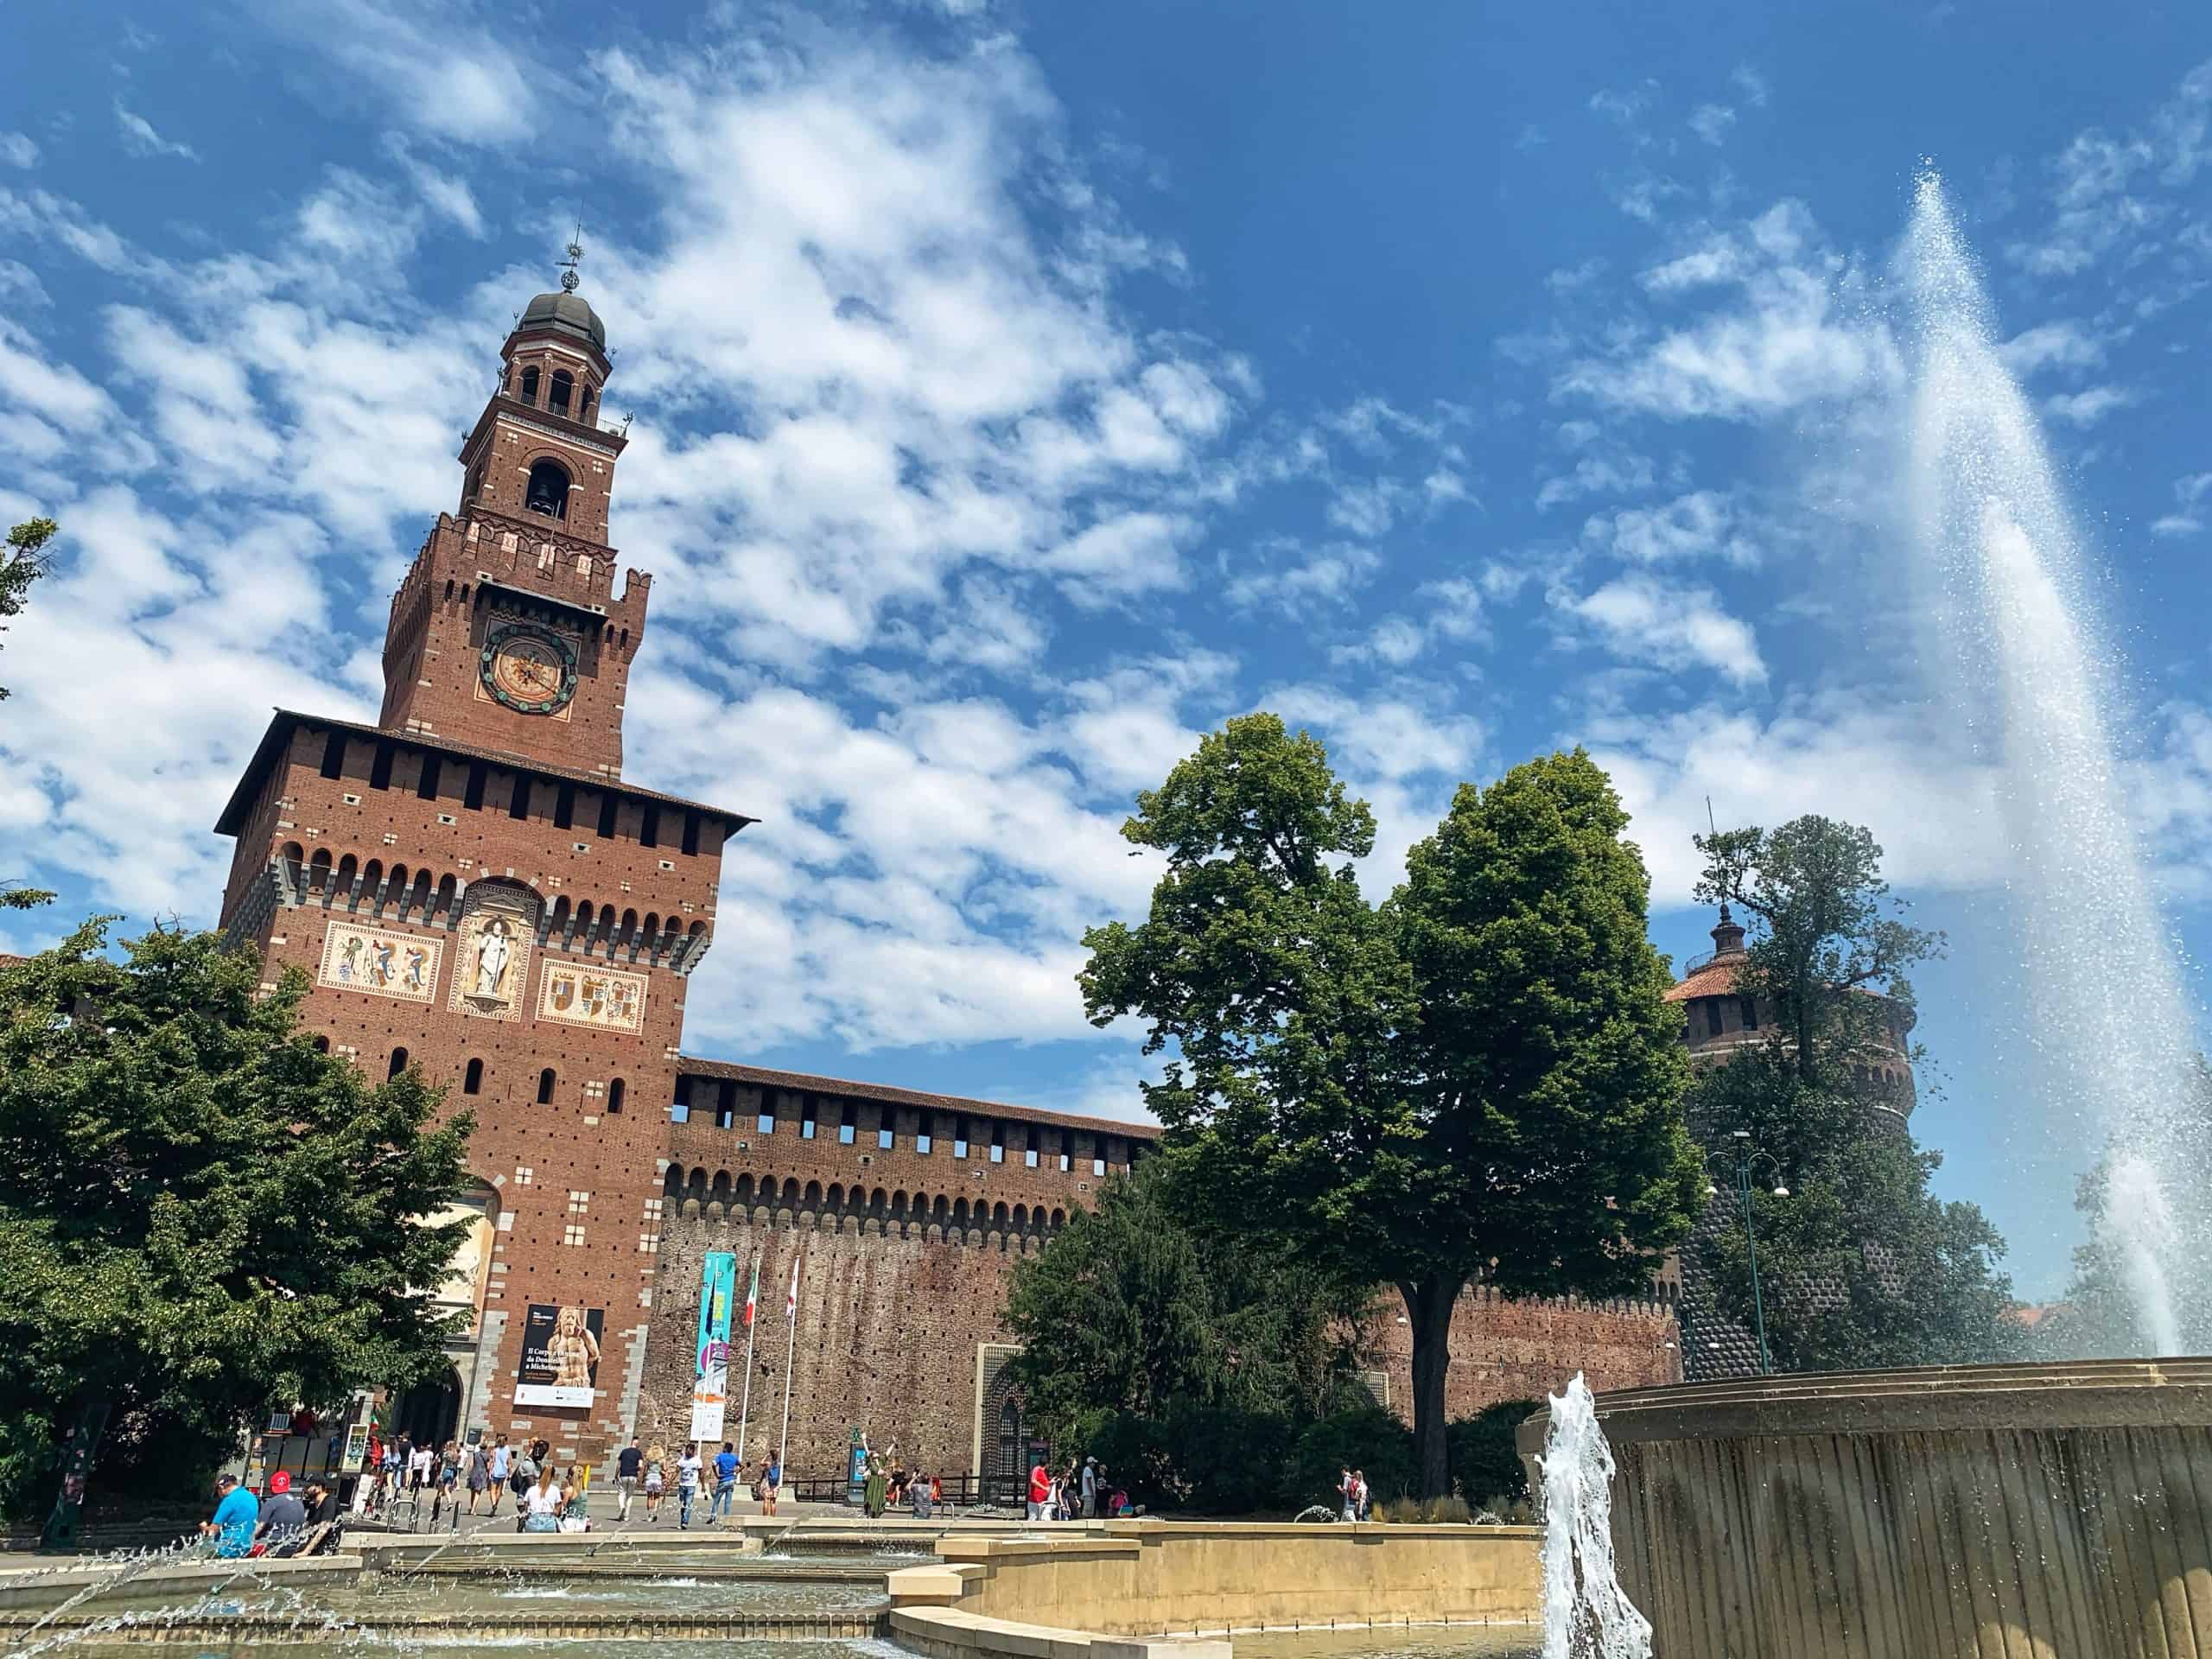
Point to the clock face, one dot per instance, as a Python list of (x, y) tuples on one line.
[(531, 669)]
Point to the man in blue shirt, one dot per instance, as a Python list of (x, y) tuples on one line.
[(237, 1511), (725, 1480)]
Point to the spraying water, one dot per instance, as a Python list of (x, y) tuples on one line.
[(1586, 1613), (2107, 1019)]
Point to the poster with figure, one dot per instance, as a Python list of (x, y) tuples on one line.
[(380, 962), (491, 948), (710, 1374), (560, 1356), (602, 997)]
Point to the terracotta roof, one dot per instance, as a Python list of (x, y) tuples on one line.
[(1716, 978), (277, 738), (760, 1077)]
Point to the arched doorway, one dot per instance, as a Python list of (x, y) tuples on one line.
[(430, 1411), (1010, 1463)]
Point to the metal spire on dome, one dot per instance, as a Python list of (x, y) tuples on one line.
[(569, 277)]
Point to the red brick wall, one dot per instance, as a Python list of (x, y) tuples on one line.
[(886, 1341), (1503, 1348)]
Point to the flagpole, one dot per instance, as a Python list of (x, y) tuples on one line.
[(752, 1325), (791, 1347)]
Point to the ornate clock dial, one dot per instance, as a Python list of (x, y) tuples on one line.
[(530, 669)]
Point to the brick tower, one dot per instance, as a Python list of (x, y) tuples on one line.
[(472, 889)]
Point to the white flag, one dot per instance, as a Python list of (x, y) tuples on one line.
[(791, 1302)]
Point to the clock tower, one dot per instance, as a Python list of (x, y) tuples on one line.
[(506, 633)]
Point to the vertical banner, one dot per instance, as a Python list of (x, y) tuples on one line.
[(710, 1379)]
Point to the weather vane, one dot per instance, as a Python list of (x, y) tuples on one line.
[(569, 277)]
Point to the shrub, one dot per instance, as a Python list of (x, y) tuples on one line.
[(1424, 1511), (1484, 1464), (1366, 1438)]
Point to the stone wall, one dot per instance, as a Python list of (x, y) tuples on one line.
[(887, 1333), (1508, 1349), (890, 1323)]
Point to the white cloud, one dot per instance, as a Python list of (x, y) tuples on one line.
[(2083, 409), (1711, 123), (422, 67), (17, 149), (1297, 581), (1751, 84), (1639, 618), (2063, 344), (1793, 337), (139, 137), (2191, 495), (1703, 525), (1612, 471), (1384, 738)]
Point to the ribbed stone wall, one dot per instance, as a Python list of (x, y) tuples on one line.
[(1990, 1512)]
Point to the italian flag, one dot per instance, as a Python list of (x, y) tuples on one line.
[(753, 1292)]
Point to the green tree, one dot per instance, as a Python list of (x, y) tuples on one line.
[(1861, 1264), (24, 563), (1825, 930), (199, 1213), (1479, 1077), (1131, 1309)]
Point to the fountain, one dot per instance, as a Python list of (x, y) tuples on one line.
[(1998, 552), (1586, 1613), (2060, 1511)]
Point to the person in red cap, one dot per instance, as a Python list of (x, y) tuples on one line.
[(283, 1517)]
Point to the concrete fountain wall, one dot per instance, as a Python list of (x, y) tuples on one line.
[(1971, 1512)]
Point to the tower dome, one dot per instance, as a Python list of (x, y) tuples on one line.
[(564, 312)]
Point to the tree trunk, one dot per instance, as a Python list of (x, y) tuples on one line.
[(1428, 1311)]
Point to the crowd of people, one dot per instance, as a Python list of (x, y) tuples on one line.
[(646, 1471), (1351, 1491), (1078, 1492), (546, 1498), (283, 1523)]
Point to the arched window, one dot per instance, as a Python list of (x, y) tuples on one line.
[(548, 489), (1712, 1016), (614, 1091), (545, 1087), (472, 1081), (323, 1043), (584, 409), (564, 386), (1751, 1012), (529, 384), (398, 1062)]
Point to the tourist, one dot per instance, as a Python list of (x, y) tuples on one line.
[(919, 1490), (687, 1483), (771, 1485), (725, 1481), (1347, 1494), (282, 1519), (1359, 1493), (419, 1475), (499, 1474), (576, 1500), (875, 1494), (1087, 1489), (480, 1474), (236, 1510), (543, 1504), (627, 1467), (324, 1526), (656, 1480), (1040, 1491)]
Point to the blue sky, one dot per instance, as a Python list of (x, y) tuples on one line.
[(1020, 392)]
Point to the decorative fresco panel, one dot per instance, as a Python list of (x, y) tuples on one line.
[(380, 962), (584, 995), (491, 950)]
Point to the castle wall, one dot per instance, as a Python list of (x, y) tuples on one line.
[(1508, 1349), (888, 1330)]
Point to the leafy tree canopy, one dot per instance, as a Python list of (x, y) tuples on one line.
[(1132, 1309), (1861, 1264), (199, 1213), (1477, 1077)]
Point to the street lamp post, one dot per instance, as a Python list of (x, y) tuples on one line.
[(1747, 1158)]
